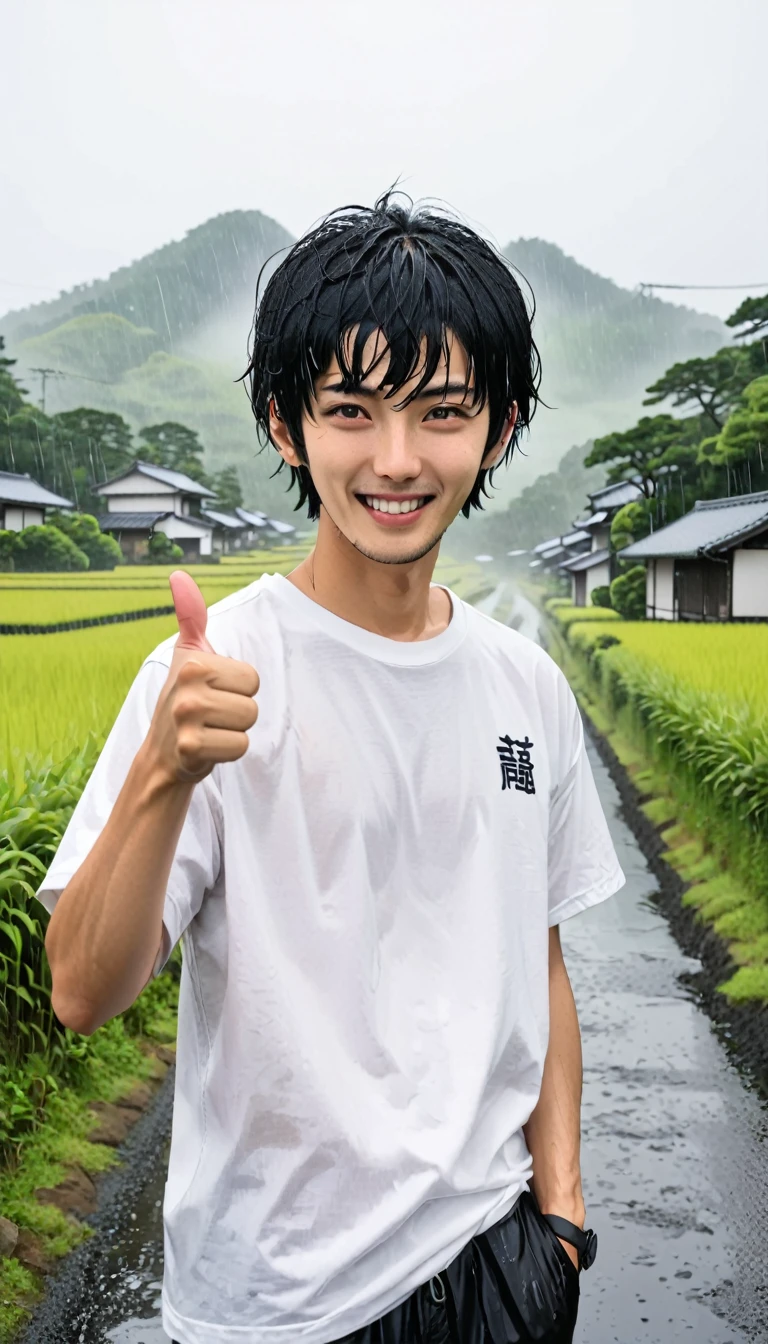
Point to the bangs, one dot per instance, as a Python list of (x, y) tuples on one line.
[(419, 280), (400, 294)]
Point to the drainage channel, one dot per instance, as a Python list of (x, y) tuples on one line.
[(674, 1143)]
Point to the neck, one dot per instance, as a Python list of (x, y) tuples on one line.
[(395, 601)]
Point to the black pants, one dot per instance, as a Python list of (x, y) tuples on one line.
[(513, 1284)]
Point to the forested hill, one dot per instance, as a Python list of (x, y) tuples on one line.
[(174, 290)]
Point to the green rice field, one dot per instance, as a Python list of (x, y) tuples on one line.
[(728, 661), (57, 688)]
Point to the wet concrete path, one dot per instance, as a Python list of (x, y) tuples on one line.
[(675, 1147)]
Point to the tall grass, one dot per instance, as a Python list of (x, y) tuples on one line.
[(696, 699)]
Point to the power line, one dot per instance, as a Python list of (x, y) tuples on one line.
[(62, 373), (758, 284)]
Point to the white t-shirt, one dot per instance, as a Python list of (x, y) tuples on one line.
[(364, 900)]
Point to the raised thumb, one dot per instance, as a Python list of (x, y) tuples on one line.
[(191, 612)]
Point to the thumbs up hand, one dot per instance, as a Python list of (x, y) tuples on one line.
[(206, 704)]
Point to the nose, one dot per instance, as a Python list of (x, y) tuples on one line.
[(395, 455)]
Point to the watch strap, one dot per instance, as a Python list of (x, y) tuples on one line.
[(568, 1231), (583, 1239)]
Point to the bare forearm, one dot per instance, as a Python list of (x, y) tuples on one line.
[(553, 1132), (105, 932)]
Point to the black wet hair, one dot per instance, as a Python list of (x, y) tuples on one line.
[(412, 273)]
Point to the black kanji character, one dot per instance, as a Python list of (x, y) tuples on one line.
[(516, 770)]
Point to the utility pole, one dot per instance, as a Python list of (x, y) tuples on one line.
[(43, 374)]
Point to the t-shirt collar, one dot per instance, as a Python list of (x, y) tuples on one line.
[(403, 653)]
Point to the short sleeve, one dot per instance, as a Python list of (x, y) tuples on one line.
[(198, 853), (582, 864)]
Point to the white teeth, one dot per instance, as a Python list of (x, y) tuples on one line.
[(394, 505)]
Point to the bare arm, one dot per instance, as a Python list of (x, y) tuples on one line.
[(553, 1133), (106, 929)]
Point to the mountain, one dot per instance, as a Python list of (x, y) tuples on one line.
[(174, 290), (166, 338)]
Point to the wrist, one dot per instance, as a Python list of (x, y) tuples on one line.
[(568, 1205)]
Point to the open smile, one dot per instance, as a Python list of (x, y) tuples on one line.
[(395, 510)]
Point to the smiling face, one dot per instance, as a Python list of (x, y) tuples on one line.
[(392, 477)]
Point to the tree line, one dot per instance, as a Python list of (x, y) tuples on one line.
[(71, 453), (720, 446)]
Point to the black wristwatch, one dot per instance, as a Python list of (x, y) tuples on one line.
[(585, 1240)]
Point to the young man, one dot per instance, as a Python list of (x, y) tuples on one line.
[(376, 1123)]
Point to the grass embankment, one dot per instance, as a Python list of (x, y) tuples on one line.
[(59, 695), (685, 708)]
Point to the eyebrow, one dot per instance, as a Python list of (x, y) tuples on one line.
[(447, 390)]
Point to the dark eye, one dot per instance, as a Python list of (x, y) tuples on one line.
[(443, 412), (347, 412)]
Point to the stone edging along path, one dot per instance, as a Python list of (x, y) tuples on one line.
[(137, 1127), (742, 1027)]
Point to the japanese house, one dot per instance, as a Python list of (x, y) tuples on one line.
[(583, 554), (711, 564), (23, 501)]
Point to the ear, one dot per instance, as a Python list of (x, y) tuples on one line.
[(496, 453), (282, 440)]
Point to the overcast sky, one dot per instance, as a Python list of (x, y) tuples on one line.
[(633, 133)]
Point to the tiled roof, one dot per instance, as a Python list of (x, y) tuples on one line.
[(573, 538), (616, 495), (223, 519), (545, 545), (109, 522), (178, 479), (16, 488), (253, 517), (588, 561), (594, 519), (712, 524)]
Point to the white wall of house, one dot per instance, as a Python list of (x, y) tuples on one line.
[(584, 580), (660, 589), (597, 576), (176, 526), (138, 502), (601, 537), (749, 593), (19, 516)]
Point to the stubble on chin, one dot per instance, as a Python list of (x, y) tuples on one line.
[(408, 559)]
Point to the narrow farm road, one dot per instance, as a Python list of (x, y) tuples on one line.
[(489, 604), (674, 1148)]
